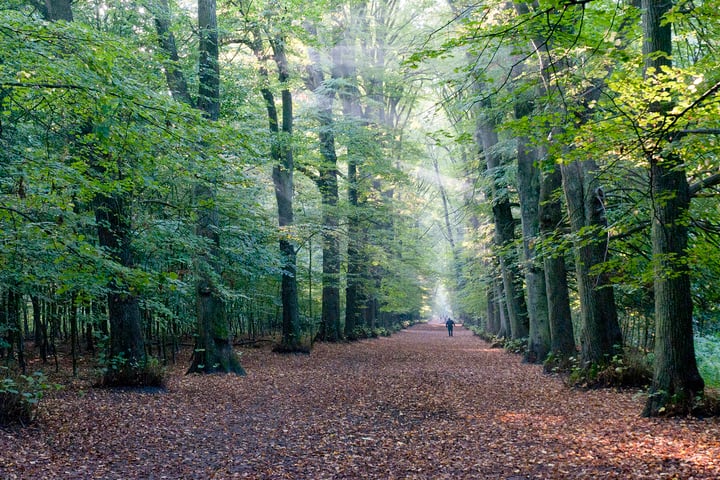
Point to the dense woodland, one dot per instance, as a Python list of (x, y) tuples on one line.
[(212, 174)]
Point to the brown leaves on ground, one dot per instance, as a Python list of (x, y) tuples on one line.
[(417, 405)]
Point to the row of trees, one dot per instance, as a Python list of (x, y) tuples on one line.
[(170, 171), (596, 129), (138, 143)]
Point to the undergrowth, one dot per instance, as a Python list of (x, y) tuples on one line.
[(630, 369), (119, 372), (20, 396)]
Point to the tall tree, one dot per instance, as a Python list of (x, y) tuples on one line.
[(259, 37), (539, 340), (676, 380), (213, 350), (213, 346), (487, 138), (344, 71), (283, 171), (562, 338), (326, 180), (600, 335), (114, 228)]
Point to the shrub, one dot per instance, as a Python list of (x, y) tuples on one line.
[(555, 363), (20, 397), (121, 373), (360, 332), (631, 369), (517, 345), (381, 332)]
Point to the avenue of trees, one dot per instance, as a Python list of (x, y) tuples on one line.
[(214, 172), (589, 137)]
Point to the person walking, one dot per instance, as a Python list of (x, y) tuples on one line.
[(450, 324)]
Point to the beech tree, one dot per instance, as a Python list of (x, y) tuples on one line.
[(113, 219), (213, 350), (676, 380), (269, 43), (326, 180)]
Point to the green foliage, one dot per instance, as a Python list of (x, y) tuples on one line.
[(494, 340), (20, 396), (516, 345), (85, 112), (631, 369), (364, 332), (559, 364), (707, 350)]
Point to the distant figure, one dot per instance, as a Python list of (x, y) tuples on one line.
[(450, 324)]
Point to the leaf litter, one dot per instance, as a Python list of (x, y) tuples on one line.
[(417, 405)]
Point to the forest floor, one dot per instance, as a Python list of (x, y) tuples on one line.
[(417, 405)]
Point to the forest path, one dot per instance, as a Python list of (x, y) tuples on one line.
[(417, 405)]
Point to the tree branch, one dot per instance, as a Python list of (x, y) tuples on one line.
[(710, 181)]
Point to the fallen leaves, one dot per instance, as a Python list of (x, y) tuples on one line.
[(418, 405)]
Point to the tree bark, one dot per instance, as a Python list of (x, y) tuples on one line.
[(353, 301), (344, 68), (127, 346), (327, 182), (58, 10), (173, 73), (529, 192), (501, 309), (282, 175)]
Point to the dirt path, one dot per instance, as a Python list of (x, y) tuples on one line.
[(418, 405)]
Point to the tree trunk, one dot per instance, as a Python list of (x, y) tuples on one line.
[(353, 302), (173, 73), (208, 62), (127, 347), (344, 68), (58, 10), (492, 324), (562, 337), (529, 192), (331, 243), (600, 334), (14, 323), (676, 380), (37, 320), (327, 182), (213, 351), (501, 308), (74, 338), (283, 168)]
